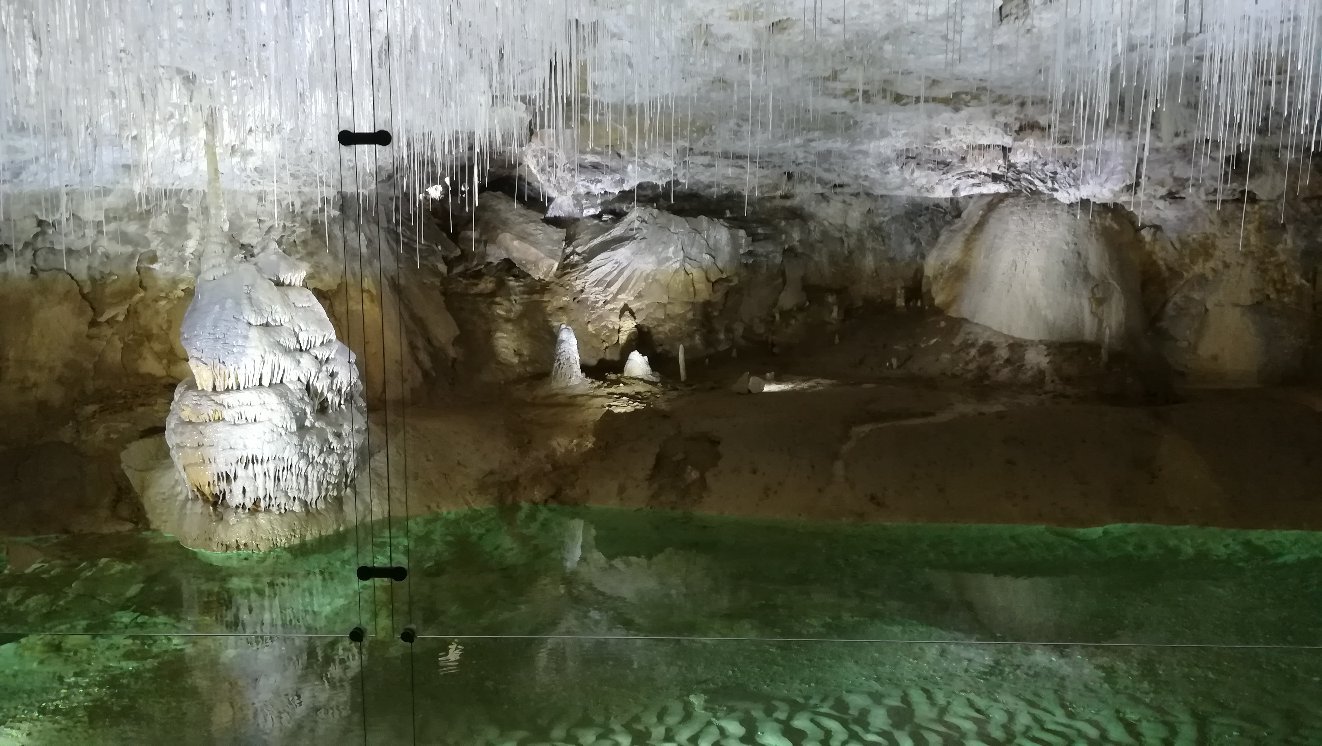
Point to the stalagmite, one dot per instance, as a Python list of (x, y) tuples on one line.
[(683, 368), (637, 366), (273, 416), (566, 369)]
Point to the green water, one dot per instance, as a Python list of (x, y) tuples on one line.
[(616, 627)]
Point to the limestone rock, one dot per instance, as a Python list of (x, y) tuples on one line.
[(1038, 269), (1235, 308), (45, 353), (664, 268), (749, 384), (792, 295), (95, 294), (507, 230), (740, 385)]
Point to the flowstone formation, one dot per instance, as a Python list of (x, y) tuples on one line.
[(273, 417), (1038, 269)]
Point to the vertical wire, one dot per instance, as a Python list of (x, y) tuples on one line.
[(359, 198), (344, 250), (403, 410), (381, 298)]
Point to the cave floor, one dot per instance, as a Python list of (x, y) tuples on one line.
[(829, 561), (812, 447), (896, 450)]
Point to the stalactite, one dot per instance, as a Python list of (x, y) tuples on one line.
[(81, 97)]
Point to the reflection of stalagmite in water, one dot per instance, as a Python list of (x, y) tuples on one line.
[(448, 662), (279, 689), (1020, 608), (573, 550), (274, 686)]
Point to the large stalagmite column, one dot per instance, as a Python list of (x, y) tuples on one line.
[(273, 417)]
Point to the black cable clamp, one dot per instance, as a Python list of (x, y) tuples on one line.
[(380, 137), (394, 573)]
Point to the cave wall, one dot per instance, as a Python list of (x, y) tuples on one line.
[(656, 270), (1233, 293), (1217, 309), (93, 288)]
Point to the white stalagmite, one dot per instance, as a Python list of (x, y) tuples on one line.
[(566, 369), (638, 366), (273, 418)]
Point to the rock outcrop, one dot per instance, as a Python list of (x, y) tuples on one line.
[(652, 272), (503, 229), (1038, 269), (1234, 292), (94, 288)]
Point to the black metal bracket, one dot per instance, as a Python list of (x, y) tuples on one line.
[(357, 634), (393, 573), (380, 137), (408, 635)]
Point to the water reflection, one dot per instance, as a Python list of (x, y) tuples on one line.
[(637, 626)]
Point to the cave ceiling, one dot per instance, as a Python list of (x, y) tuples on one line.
[(1089, 99)]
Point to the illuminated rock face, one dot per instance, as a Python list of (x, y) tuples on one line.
[(656, 271), (273, 416), (1038, 269), (916, 97)]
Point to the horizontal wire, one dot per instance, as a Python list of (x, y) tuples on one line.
[(682, 638), (177, 634), (881, 641)]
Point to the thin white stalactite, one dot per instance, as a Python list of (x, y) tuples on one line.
[(82, 101)]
